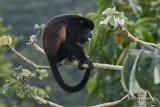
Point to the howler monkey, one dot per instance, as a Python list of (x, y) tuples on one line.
[(64, 37)]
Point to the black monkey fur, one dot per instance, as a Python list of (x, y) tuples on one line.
[(64, 37)]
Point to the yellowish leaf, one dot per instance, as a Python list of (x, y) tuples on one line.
[(9, 40), (48, 88), (26, 72)]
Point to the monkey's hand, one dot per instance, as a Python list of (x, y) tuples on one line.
[(88, 62)]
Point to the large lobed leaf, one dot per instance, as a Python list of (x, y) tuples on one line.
[(141, 69)]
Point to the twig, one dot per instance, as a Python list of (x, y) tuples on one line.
[(96, 65), (113, 103), (42, 101), (150, 96), (134, 39), (38, 48)]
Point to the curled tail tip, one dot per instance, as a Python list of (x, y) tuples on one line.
[(61, 82)]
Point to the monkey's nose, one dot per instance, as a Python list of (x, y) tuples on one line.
[(91, 34)]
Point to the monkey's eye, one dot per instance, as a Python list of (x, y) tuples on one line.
[(81, 21)]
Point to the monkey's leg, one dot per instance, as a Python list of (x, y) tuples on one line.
[(71, 58)]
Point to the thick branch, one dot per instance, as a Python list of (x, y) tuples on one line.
[(113, 103), (96, 65), (134, 39)]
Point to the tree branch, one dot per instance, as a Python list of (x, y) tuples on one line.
[(38, 48), (42, 101), (113, 103), (26, 60), (134, 39), (96, 65)]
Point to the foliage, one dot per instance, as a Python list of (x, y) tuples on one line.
[(113, 17), (155, 103), (141, 69), (109, 46), (5, 64), (21, 84), (36, 26)]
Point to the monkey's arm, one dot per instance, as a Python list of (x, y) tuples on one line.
[(71, 58), (77, 51)]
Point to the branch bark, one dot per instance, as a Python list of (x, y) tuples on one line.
[(113, 103), (134, 39), (96, 65), (42, 101), (142, 98), (26, 60)]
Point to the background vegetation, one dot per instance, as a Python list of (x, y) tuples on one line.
[(108, 46)]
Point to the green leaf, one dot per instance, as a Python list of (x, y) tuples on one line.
[(9, 84), (157, 75), (136, 8), (42, 26), (110, 46), (155, 3), (141, 21), (36, 26), (26, 72), (18, 71), (133, 84), (38, 92), (106, 20), (144, 34), (158, 32), (5, 88), (127, 68), (148, 48), (42, 73), (113, 17), (144, 69), (155, 103), (21, 94), (91, 85)]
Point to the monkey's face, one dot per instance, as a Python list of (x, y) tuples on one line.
[(85, 31), (85, 36)]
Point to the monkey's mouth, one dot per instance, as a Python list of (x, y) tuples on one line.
[(82, 41), (89, 39)]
